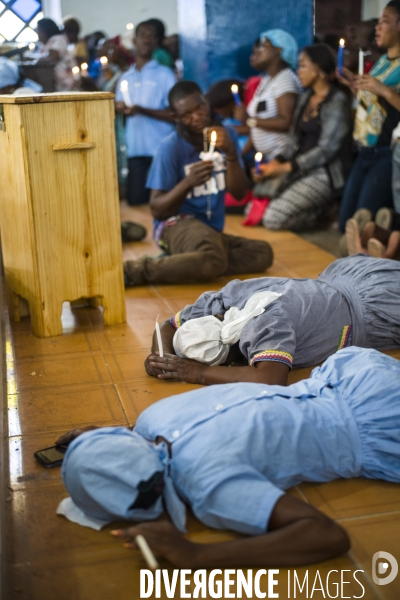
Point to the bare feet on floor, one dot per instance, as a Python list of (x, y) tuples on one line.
[(353, 237)]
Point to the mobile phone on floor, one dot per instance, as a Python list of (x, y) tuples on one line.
[(52, 456)]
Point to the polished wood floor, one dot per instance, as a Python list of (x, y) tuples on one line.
[(94, 374)]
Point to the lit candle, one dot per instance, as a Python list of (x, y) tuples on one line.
[(104, 61), (213, 142), (32, 46), (146, 552), (130, 26), (124, 87), (84, 69), (75, 73), (340, 57), (257, 162), (235, 94), (361, 62), (159, 340)]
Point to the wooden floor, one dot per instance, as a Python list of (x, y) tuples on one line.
[(94, 374)]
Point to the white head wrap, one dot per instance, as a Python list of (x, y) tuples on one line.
[(208, 339)]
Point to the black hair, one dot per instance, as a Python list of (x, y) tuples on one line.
[(323, 56), (181, 90), (48, 27), (146, 24), (72, 25), (159, 27), (220, 94), (395, 4)]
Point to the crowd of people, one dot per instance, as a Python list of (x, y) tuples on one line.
[(325, 133)]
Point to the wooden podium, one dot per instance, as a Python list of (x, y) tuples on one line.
[(59, 210)]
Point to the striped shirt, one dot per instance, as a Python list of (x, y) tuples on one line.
[(264, 106)]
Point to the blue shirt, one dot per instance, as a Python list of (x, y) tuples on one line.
[(236, 447), (173, 162), (149, 88)]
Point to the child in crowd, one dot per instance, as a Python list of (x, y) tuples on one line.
[(274, 324), (229, 453), (378, 113), (188, 188), (148, 119)]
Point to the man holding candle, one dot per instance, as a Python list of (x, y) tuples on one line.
[(188, 188), (148, 119)]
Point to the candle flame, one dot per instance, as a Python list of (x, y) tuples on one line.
[(124, 85), (214, 136), (341, 43), (258, 156), (104, 60), (75, 70), (234, 88), (130, 26), (32, 46), (84, 66)]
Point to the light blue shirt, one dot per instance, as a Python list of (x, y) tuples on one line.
[(149, 88), (236, 447)]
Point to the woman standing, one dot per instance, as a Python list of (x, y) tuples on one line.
[(313, 164), (378, 113)]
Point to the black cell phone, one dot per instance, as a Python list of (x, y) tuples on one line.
[(51, 457), (261, 106)]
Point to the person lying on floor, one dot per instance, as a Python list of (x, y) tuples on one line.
[(187, 201), (230, 451), (274, 324)]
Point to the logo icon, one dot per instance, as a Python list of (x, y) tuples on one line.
[(385, 560)]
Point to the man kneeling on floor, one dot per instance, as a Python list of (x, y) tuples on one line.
[(230, 451), (188, 188)]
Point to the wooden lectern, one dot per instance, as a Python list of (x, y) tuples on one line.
[(59, 210)]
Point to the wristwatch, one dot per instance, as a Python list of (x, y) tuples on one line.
[(251, 122)]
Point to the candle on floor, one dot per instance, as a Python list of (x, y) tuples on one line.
[(124, 87), (159, 340), (257, 162), (340, 56), (213, 142), (147, 554), (75, 73), (235, 94)]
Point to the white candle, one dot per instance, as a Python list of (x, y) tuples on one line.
[(104, 61), (159, 340), (130, 26), (124, 87), (32, 46), (84, 69), (75, 73), (213, 142), (360, 62), (146, 552)]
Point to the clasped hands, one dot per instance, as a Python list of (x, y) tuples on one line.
[(171, 367), (361, 82)]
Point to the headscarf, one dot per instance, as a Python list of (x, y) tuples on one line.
[(207, 339), (103, 468), (10, 75), (282, 39)]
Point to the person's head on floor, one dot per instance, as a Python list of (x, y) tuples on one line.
[(114, 473), (220, 97), (189, 107), (146, 40), (316, 63), (276, 50), (46, 29), (388, 27), (72, 29)]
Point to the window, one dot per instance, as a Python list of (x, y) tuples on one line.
[(18, 20)]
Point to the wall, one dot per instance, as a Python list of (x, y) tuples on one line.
[(371, 9), (111, 17), (217, 35)]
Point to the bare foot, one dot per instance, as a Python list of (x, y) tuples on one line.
[(376, 248), (393, 247)]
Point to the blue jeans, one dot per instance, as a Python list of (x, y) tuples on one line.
[(369, 184), (396, 177)]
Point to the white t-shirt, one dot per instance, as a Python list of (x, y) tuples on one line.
[(263, 105)]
